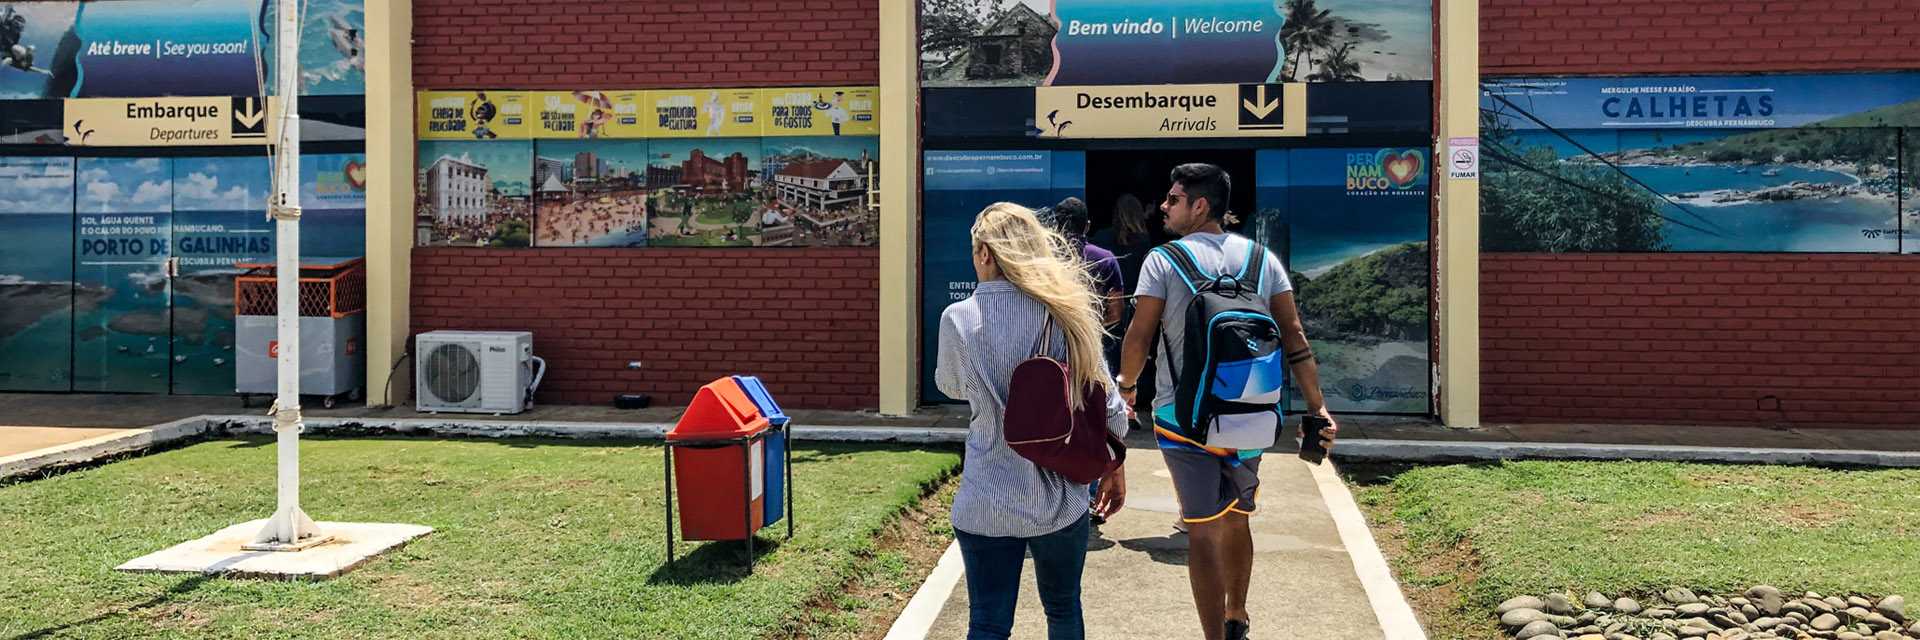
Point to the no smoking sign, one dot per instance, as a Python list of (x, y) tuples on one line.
[(1463, 158)]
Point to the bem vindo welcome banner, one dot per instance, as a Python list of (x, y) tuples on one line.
[(1109, 42)]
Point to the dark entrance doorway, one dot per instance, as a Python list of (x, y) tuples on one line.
[(1143, 173)]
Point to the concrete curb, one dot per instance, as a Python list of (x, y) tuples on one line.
[(137, 439), (1431, 451), (570, 430), (92, 449)]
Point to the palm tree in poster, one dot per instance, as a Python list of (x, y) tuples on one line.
[(1307, 28), (1339, 67)]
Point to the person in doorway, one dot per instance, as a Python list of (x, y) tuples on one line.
[(1127, 239), (1216, 487), (1008, 507), (1071, 220)]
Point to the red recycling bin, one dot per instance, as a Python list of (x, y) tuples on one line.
[(722, 464)]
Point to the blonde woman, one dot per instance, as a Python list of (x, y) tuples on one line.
[(1006, 506)]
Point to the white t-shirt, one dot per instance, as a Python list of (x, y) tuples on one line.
[(1215, 253)]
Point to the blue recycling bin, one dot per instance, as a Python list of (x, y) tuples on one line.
[(776, 443)]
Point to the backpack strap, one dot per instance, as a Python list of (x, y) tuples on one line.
[(1184, 265), (1257, 263)]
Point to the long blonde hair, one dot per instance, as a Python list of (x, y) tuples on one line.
[(1044, 265), (1129, 220)]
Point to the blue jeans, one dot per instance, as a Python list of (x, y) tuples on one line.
[(993, 580)]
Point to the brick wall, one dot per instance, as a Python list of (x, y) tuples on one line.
[(1617, 37), (1810, 340), (644, 44), (805, 320)]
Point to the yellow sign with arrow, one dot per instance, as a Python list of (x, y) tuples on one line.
[(1171, 111), (170, 122)]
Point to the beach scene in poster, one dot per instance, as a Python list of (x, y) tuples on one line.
[(590, 193), (1354, 227), (1778, 164), (37, 293)]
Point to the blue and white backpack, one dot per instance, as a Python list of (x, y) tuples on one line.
[(1232, 372)]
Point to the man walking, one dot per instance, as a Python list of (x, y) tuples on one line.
[(1216, 486)]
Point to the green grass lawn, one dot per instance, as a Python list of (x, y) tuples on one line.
[(1463, 538), (534, 539)]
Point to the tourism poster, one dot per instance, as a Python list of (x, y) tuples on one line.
[(816, 189), (1756, 164), (821, 111), (475, 193), (705, 192), (958, 185), (219, 222), (474, 115), (37, 293), (590, 193), (124, 229), (1025, 43), (703, 113), (1357, 228), (333, 203)]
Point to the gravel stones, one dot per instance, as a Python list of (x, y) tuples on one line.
[(1760, 613)]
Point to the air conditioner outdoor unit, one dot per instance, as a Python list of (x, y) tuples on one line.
[(475, 371)]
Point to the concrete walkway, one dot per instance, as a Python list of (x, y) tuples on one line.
[(1135, 586), (18, 440)]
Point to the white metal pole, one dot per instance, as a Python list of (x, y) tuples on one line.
[(289, 525)]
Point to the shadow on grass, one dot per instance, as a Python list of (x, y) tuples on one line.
[(185, 587), (720, 562)]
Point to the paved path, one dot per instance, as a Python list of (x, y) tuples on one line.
[(18, 440), (1135, 585)]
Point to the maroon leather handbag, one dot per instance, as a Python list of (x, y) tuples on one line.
[(1042, 426)]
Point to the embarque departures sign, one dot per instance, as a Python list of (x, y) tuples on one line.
[(177, 121), (1172, 111)]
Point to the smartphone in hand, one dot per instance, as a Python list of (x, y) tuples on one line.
[(1311, 448)]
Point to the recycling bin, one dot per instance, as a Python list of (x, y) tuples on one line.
[(721, 442), (779, 454)]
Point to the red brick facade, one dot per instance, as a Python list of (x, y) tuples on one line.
[(1625, 37), (1713, 339), (805, 320), (1808, 340), (644, 44)]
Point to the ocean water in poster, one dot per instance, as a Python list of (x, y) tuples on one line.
[(590, 193), (219, 222), (37, 293), (333, 55), (1750, 164), (124, 234), (333, 203), (1356, 224)]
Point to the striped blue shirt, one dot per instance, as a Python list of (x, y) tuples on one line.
[(1002, 494)]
